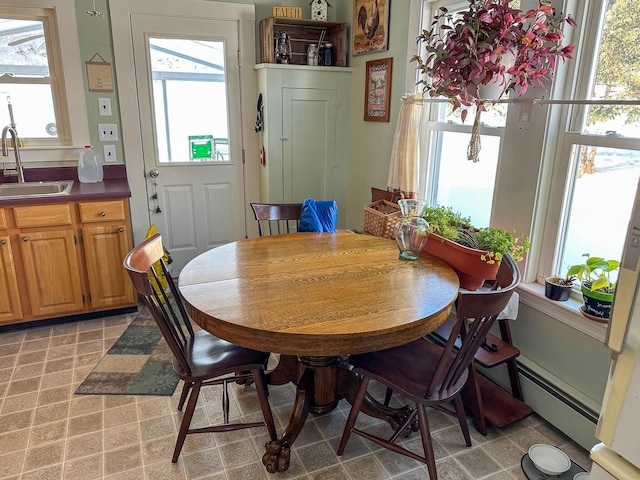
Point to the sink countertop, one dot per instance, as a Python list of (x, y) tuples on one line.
[(114, 185)]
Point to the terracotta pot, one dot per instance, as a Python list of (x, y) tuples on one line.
[(467, 262), (556, 291)]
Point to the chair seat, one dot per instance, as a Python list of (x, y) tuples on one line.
[(210, 356), (391, 367)]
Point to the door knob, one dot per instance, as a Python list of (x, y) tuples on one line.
[(154, 173)]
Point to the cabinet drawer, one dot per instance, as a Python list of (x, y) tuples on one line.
[(102, 211), (43, 215), (3, 220)]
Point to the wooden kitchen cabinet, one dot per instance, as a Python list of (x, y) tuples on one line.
[(10, 309), (106, 239), (52, 272), (47, 245), (64, 259), (305, 133)]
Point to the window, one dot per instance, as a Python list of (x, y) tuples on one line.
[(600, 148), (451, 180), (40, 74), (29, 82), (565, 170)]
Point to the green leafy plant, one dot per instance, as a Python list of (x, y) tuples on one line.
[(595, 273), (467, 49), (496, 241), (445, 222)]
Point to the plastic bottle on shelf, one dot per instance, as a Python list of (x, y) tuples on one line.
[(90, 166)]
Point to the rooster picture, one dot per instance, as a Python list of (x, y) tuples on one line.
[(369, 27)]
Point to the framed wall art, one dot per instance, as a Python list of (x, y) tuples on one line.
[(377, 92), (370, 26)]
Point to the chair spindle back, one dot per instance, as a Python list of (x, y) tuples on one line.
[(167, 310), (277, 218), (475, 311)]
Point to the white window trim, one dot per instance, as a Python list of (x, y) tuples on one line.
[(73, 84), (531, 290)]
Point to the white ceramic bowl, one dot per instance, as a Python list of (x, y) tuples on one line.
[(549, 459), (581, 476)]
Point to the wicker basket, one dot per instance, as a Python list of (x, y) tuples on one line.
[(380, 217)]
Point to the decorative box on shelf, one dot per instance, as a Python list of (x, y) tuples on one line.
[(302, 33)]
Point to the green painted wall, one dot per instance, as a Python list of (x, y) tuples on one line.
[(574, 358)]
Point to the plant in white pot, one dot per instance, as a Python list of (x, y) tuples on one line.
[(494, 45), (596, 285)]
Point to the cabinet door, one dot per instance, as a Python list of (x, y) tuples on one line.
[(309, 143), (105, 248), (10, 308), (52, 272)]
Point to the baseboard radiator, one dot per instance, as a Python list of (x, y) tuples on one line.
[(554, 400)]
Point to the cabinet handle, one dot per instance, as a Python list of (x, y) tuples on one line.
[(25, 239), (284, 139), (3, 242), (121, 229), (103, 214)]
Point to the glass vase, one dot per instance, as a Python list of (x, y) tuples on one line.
[(411, 231)]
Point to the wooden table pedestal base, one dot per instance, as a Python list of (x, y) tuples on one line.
[(323, 382)]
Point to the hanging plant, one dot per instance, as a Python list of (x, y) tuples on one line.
[(490, 45)]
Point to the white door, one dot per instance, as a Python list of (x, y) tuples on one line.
[(186, 78)]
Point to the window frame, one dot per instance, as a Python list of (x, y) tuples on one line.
[(63, 46), (535, 206)]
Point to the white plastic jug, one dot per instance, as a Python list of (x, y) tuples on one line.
[(89, 166)]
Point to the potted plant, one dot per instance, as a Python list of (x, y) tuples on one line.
[(596, 286), (559, 288), (474, 253), (490, 44)]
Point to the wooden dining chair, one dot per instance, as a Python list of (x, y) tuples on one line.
[(429, 374), (276, 218), (199, 358)]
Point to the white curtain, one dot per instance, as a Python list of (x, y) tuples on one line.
[(405, 159)]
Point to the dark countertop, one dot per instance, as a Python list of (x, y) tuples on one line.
[(113, 186)]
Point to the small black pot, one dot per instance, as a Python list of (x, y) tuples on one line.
[(555, 291)]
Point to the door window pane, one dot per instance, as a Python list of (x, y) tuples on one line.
[(190, 100)]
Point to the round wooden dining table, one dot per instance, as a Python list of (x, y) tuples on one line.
[(316, 299)]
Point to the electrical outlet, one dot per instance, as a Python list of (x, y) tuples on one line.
[(108, 132), (110, 154), (104, 107)]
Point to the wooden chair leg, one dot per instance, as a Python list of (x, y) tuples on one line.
[(353, 415), (186, 420), (462, 419), (473, 399), (387, 396), (185, 392), (427, 443), (261, 389)]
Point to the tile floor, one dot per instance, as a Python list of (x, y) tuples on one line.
[(47, 432)]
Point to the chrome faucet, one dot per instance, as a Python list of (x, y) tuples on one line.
[(18, 171)]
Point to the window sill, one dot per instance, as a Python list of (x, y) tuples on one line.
[(568, 312)]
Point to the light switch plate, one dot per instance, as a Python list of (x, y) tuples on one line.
[(108, 132), (104, 107), (110, 154)]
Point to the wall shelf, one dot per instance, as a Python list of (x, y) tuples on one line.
[(302, 33)]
